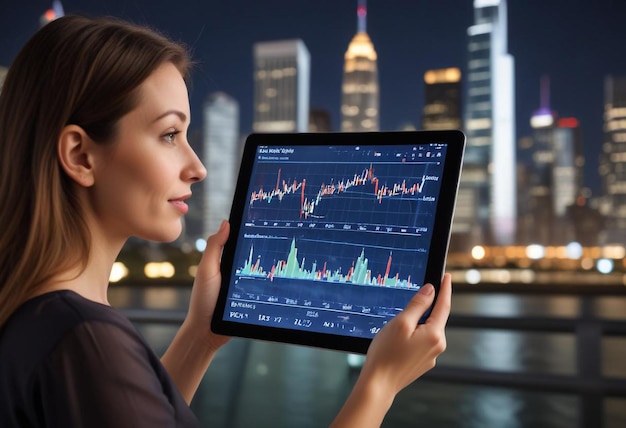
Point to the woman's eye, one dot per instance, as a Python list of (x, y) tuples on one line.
[(170, 137)]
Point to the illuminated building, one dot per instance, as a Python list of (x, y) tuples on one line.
[(568, 165), (442, 106), (359, 93), (537, 213), (281, 86), (554, 175), (613, 158), (488, 180), (567, 180), (51, 14), (587, 222), (222, 153), (442, 110)]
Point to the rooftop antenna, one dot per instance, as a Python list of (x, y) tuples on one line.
[(545, 92), (361, 13)]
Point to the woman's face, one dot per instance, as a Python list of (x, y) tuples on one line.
[(144, 177)]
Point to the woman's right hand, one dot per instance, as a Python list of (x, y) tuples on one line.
[(400, 353), (404, 350)]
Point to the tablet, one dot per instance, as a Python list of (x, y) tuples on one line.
[(333, 233)]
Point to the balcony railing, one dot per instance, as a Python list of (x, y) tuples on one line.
[(588, 328)]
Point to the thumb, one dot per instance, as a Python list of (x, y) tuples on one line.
[(419, 304), (213, 251), (218, 239)]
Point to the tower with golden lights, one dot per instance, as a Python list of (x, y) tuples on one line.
[(359, 100)]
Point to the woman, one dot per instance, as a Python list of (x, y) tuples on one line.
[(93, 150)]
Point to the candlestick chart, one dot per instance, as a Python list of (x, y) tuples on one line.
[(382, 193), (308, 205)]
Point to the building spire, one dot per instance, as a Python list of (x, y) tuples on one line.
[(51, 14), (544, 116), (545, 92), (361, 13)]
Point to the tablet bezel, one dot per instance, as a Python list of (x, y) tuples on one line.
[(455, 141)]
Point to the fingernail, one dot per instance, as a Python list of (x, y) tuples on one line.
[(427, 290)]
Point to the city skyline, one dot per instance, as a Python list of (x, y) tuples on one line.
[(575, 44)]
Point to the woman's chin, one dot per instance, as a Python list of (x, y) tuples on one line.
[(163, 235)]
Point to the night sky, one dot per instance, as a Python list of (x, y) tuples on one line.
[(576, 43)]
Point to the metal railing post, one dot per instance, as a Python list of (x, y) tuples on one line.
[(589, 365)]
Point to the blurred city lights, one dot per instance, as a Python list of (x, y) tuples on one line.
[(574, 250), (613, 252), (604, 266), (200, 244), (527, 276), (472, 276), (478, 252), (535, 251), (504, 276), (193, 270), (586, 263), (118, 272), (159, 270)]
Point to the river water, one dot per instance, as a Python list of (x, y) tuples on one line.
[(263, 384)]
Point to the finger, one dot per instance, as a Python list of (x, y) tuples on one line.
[(213, 251), (419, 304), (441, 311)]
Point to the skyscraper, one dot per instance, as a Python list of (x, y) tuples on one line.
[(442, 106), (554, 162), (359, 100), (442, 110), (489, 179), (566, 180), (537, 212), (613, 158), (281, 86), (567, 177), (222, 153)]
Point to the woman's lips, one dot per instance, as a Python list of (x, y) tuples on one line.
[(180, 205)]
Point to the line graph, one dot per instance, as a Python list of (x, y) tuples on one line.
[(332, 192)]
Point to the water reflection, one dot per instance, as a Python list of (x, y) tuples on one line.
[(450, 405), (260, 384), (501, 305), (613, 307), (614, 357)]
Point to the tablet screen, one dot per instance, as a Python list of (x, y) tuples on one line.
[(333, 239)]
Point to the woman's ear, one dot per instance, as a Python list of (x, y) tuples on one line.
[(74, 151)]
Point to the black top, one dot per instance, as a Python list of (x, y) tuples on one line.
[(66, 361)]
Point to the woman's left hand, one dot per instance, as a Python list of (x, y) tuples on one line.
[(206, 288)]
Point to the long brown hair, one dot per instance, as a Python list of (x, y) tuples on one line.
[(75, 70)]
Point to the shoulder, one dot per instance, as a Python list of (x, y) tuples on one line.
[(62, 355), (53, 322), (61, 323), (38, 326)]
